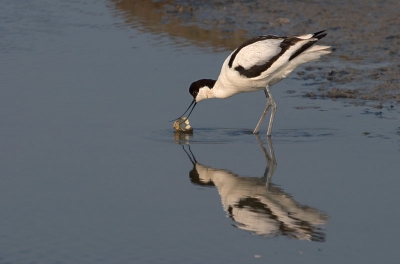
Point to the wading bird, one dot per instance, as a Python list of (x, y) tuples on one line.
[(256, 65)]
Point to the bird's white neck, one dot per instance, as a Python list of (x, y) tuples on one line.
[(205, 93), (218, 91)]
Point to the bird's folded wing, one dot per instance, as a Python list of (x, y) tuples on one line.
[(256, 51), (264, 55)]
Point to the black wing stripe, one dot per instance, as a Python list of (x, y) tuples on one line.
[(249, 42), (256, 70), (302, 49), (318, 35)]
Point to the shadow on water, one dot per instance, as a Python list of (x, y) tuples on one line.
[(257, 205)]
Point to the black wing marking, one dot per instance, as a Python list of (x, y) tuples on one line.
[(256, 70), (249, 42), (285, 45), (318, 35)]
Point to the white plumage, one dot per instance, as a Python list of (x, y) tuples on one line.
[(256, 65)]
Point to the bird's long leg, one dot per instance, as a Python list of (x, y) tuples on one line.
[(273, 110), (265, 111)]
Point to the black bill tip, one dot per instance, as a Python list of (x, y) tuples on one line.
[(193, 103)]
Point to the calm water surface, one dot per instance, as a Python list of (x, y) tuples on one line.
[(92, 172)]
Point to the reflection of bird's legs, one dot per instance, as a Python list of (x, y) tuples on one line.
[(271, 161), (191, 155)]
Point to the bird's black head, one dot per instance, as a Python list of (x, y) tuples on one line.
[(197, 85), (198, 93)]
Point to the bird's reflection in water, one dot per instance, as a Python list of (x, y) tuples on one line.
[(258, 206)]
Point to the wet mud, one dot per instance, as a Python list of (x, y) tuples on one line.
[(364, 35)]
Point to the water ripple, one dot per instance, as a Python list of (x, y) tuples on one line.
[(239, 135)]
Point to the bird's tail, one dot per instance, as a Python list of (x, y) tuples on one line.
[(319, 34), (316, 49), (319, 49)]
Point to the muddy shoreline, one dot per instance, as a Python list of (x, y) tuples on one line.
[(364, 35)]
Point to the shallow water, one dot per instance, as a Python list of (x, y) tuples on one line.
[(91, 171)]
